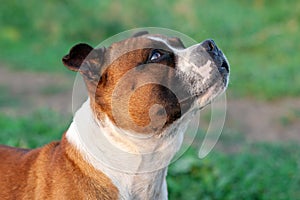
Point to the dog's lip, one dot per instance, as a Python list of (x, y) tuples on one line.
[(224, 68)]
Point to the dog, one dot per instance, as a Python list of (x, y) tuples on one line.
[(142, 92)]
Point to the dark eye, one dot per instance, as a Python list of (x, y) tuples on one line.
[(155, 55), (159, 55)]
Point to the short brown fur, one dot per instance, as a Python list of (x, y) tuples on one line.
[(56, 171)]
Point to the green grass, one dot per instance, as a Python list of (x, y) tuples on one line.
[(32, 130), (260, 38), (6, 98), (260, 171)]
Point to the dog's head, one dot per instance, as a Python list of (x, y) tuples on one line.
[(147, 82)]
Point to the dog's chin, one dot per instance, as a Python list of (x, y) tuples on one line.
[(210, 94)]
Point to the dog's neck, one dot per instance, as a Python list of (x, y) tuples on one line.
[(136, 165)]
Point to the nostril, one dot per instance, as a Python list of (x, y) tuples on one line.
[(209, 45), (225, 66)]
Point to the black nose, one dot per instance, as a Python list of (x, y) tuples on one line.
[(210, 46), (216, 54)]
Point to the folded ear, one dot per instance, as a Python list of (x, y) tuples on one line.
[(85, 59), (76, 56)]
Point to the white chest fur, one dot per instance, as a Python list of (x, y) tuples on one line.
[(137, 166)]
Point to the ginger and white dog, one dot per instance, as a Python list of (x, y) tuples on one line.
[(142, 92)]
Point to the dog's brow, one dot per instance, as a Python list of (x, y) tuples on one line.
[(158, 39)]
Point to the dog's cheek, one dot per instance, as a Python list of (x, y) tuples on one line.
[(140, 104), (158, 107)]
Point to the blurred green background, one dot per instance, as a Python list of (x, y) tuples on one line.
[(261, 39)]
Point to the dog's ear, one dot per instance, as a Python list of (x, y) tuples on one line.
[(76, 56), (85, 59), (140, 33)]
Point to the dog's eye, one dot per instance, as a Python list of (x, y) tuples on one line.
[(155, 55), (159, 55)]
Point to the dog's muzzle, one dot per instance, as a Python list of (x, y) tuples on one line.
[(217, 56)]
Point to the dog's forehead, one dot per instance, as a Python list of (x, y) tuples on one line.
[(147, 41), (173, 43)]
